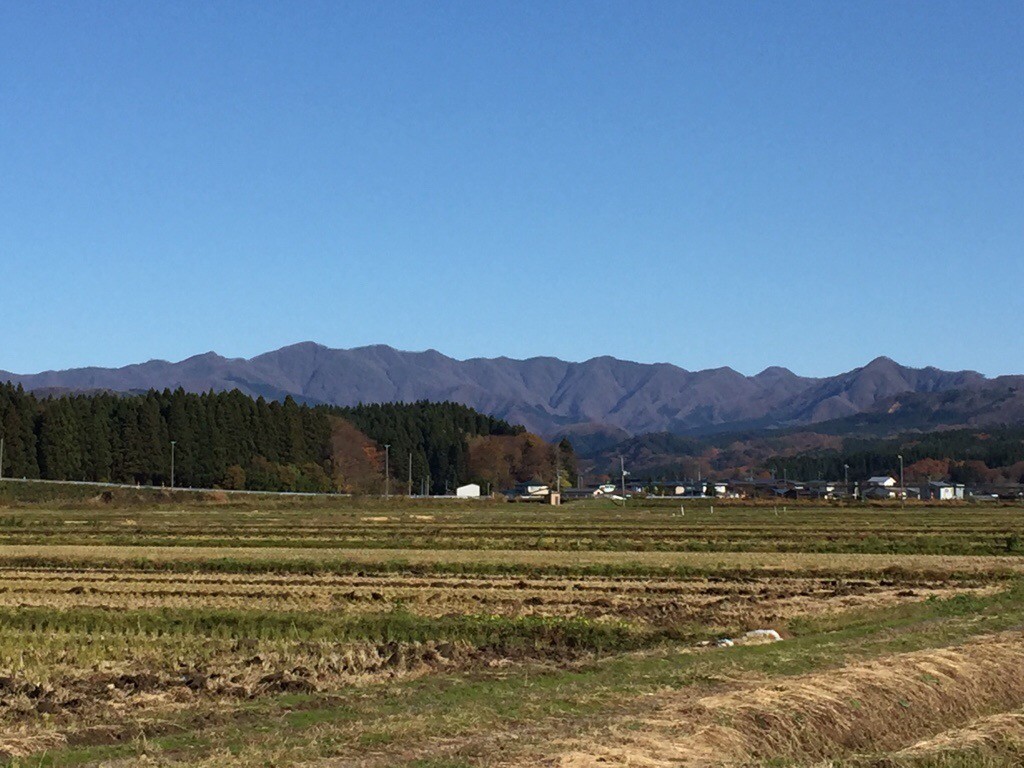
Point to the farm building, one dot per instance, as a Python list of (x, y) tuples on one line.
[(880, 487), (882, 481), (533, 490), (468, 491), (940, 491), (691, 489), (822, 489)]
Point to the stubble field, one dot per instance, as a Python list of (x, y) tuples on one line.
[(195, 631)]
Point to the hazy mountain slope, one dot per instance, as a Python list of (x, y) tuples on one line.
[(994, 404), (991, 403), (590, 438), (195, 374), (545, 394), (860, 389)]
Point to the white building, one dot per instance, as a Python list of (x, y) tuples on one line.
[(942, 491), (469, 491), (532, 490)]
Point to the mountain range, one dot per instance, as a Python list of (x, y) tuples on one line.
[(596, 402)]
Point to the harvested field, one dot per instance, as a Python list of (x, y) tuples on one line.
[(988, 734), (870, 707), (582, 526), (382, 635), (716, 604), (515, 561)]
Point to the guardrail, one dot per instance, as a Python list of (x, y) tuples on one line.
[(176, 489)]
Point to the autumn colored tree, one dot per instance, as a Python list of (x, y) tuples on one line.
[(356, 462), (927, 469), (504, 460)]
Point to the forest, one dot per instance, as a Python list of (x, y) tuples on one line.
[(992, 455), (967, 455), (229, 440)]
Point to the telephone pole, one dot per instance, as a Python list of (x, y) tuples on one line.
[(903, 488), (387, 471), (410, 474), (173, 443), (1, 458), (622, 469)]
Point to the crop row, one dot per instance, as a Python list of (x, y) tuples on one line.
[(488, 563), (975, 544), (392, 626)]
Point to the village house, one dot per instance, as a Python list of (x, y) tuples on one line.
[(939, 491), (880, 487), (530, 490)]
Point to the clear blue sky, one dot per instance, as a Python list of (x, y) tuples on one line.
[(747, 184)]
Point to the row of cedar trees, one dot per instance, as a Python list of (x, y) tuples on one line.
[(230, 440)]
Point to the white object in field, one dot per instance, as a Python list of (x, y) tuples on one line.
[(470, 491), (755, 636)]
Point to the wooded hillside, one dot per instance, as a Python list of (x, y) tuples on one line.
[(233, 441)]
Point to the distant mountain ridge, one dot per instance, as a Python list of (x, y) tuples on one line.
[(603, 396)]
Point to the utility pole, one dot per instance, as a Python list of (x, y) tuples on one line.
[(846, 480), (1, 458), (387, 470), (903, 488), (410, 474), (622, 469), (173, 443)]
